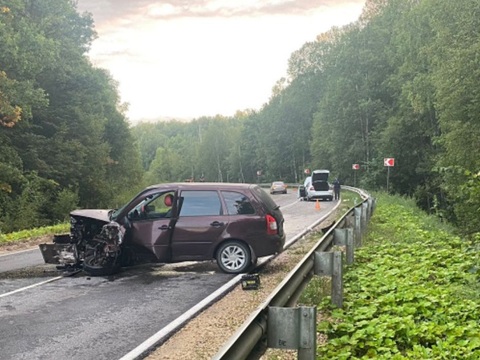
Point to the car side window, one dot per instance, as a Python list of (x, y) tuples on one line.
[(200, 203), (238, 203), (159, 207), (153, 206)]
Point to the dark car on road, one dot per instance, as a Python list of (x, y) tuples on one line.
[(233, 224)]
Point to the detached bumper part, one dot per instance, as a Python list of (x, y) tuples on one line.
[(63, 254)]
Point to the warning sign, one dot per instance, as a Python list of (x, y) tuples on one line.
[(389, 162)]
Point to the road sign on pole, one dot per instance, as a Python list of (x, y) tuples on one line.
[(355, 167), (306, 171), (389, 162)]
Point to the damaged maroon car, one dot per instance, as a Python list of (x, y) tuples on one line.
[(233, 224)]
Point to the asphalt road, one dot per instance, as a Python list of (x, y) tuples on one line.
[(83, 317), (20, 260)]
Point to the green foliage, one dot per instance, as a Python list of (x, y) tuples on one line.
[(400, 82), (34, 233), (65, 201), (64, 141), (409, 293)]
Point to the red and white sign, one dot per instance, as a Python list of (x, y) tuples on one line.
[(355, 166), (306, 171), (389, 162)]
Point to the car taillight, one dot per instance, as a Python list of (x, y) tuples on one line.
[(272, 228)]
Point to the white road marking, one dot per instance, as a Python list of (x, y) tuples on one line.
[(31, 286)]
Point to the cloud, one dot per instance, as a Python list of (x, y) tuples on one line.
[(106, 11), (191, 58)]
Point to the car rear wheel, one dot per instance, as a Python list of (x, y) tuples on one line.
[(233, 257)]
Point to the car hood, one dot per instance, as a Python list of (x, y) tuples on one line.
[(95, 214)]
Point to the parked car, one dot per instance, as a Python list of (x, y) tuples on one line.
[(231, 223), (317, 186), (278, 187)]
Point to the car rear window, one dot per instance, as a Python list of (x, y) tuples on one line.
[(237, 203), (265, 198), (200, 203)]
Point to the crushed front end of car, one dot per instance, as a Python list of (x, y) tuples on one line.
[(94, 244), (61, 252)]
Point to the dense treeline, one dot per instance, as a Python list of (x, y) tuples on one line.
[(403, 82), (64, 141)]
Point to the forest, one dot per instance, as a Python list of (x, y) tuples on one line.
[(402, 82)]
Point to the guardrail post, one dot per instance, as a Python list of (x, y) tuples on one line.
[(331, 264), (293, 328), (350, 220), (370, 203), (364, 216), (344, 237), (358, 226)]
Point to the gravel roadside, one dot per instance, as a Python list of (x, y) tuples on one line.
[(205, 335)]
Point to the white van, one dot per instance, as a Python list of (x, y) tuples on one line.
[(317, 186)]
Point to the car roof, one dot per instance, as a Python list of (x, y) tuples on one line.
[(200, 186), (321, 172)]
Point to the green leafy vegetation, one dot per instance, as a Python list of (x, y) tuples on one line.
[(64, 140), (349, 200), (19, 236), (400, 82), (412, 292)]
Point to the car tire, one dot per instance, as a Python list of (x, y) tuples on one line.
[(91, 267), (234, 257)]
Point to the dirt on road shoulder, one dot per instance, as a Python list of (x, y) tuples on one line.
[(27, 244)]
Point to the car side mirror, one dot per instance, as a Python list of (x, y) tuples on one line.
[(133, 215)]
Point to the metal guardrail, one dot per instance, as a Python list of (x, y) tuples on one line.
[(250, 341)]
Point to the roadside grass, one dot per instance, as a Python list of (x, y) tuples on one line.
[(320, 287), (412, 292), (349, 200), (25, 235)]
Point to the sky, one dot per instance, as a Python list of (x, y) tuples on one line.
[(184, 59)]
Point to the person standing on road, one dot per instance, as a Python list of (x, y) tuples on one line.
[(336, 189)]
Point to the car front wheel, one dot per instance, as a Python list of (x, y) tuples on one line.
[(96, 265), (233, 257)]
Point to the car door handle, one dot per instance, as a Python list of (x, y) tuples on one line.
[(217, 224), (164, 227)]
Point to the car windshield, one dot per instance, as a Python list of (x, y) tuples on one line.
[(113, 214)]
